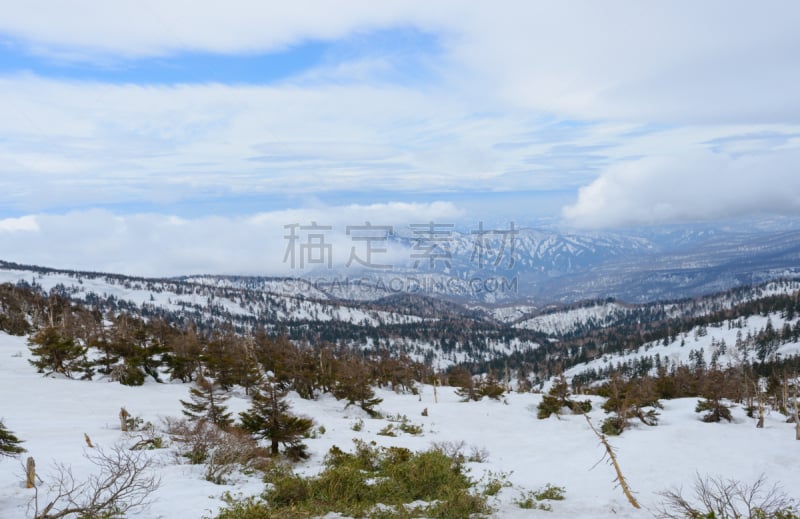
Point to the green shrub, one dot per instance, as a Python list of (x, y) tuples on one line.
[(387, 431), (533, 500), (356, 483), (549, 492), (404, 424), (495, 483), (715, 411), (613, 426)]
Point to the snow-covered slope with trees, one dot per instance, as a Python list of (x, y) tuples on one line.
[(53, 415)]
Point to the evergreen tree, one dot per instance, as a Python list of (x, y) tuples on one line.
[(713, 388), (58, 353), (558, 398), (627, 400), (269, 418), (9, 444), (354, 385), (207, 398), (184, 358)]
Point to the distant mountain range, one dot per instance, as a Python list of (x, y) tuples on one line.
[(537, 267), (436, 330), (542, 267)]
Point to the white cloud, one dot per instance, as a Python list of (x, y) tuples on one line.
[(22, 224), (717, 60), (698, 185), (505, 76), (162, 245), (85, 143)]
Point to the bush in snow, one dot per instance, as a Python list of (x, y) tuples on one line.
[(717, 497), (630, 399), (558, 398)]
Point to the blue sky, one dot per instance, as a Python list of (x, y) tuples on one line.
[(579, 116), (405, 46)]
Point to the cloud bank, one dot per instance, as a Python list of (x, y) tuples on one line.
[(689, 187), (162, 245)]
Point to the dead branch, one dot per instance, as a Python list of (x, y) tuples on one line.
[(123, 483), (612, 456)]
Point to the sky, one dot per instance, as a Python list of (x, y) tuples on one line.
[(177, 137)]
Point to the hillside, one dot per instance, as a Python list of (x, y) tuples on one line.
[(52, 415)]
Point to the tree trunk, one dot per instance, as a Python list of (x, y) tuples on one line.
[(796, 409), (123, 419), (30, 473), (274, 448)]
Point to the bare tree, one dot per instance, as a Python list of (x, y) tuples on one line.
[(726, 498), (123, 483), (796, 408)]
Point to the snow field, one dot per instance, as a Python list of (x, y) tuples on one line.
[(52, 415)]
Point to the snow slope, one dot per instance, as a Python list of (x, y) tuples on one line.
[(562, 322), (52, 415), (707, 341)]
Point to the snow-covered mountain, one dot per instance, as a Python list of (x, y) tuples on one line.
[(543, 266), (437, 331)]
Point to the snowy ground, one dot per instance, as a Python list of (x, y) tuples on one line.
[(692, 342), (52, 416)]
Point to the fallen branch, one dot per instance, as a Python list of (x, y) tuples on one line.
[(610, 451)]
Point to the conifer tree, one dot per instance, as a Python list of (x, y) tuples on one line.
[(269, 418), (353, 385), (207, 399), (58, 353), (558, 398), (713, 388), (9, 444), (629, 399)]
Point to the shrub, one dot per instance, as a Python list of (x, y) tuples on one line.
[(558, 398), (371, 481), (495, 483), (405, 426), (720, 498), (387, 431), (123, 482), (550, 492), (715, 410), (630, 399), (534, 499), (220, 450)]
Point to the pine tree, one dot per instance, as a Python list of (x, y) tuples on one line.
[(269, 418), (713, 388), (627, 400), (354, 385), (58, 353), (558, 398), (9, 444), (207, 398)]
